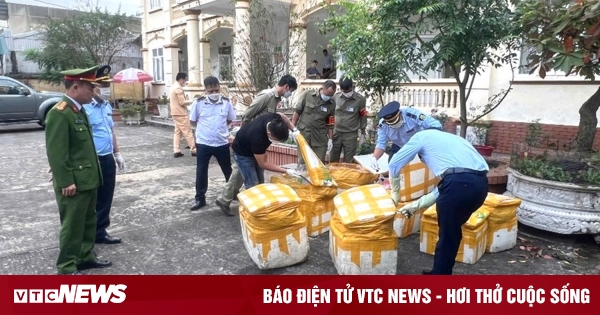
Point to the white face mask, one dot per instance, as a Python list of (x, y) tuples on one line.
[(325, 97), (348, 95), (287, 94), (214, 97), (104, 92), (397, 125)]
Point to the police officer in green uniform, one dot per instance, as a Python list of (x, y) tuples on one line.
[(314, 117), (350, 116), (75, 171), (268, 101)]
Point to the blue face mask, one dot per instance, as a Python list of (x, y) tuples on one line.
[(325, 97)]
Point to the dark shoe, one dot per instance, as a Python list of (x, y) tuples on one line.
[(108, 240), (198, 205), (224, 208), (94, 264), (178, 154), (187, 146), (193, 153), (426, 272)]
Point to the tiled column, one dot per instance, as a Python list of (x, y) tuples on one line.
[(192, 29), (241, 46)]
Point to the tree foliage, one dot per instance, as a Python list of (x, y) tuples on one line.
[(373, 57), (465, 36), (565, 35), (266, 49), (85, 39)]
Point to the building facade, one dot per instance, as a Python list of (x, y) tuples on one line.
[(209, 37)]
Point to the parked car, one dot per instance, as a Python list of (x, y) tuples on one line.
[(20, 103)]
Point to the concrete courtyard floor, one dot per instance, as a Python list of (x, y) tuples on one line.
[(161, 236)]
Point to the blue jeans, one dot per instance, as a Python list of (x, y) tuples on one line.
[(252, 173)]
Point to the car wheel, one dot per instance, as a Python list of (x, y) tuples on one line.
[(43, 120)]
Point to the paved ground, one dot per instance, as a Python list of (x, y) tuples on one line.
[(161, 236)]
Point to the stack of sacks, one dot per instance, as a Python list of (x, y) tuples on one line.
[(416, 180), (318, 174), (362, 238), (273, 228), (316, 205), (350, 175), (474, 239), (502, 222)]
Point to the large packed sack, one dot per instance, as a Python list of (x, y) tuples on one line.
[(502, 222), (362, 238), (317, 173), (474, 231), (416, 180), (349, 175), (316, 205), (273, 228)]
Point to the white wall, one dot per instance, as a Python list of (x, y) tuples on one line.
[(551, 103), (554, 100)]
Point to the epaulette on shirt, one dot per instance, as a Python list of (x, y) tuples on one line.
[(61, 106), (200, 98), (413, 116), (225, 98)]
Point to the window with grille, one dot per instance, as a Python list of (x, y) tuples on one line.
[(155, 4), (158, 64)]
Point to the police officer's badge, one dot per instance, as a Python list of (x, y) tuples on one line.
[(422, 117)]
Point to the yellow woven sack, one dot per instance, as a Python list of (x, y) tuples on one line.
[(305, 191), (478, 217), (318, 174), (364, 204), (264, 199), (501, 208), (349, 175)]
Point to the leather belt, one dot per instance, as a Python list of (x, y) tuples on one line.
[(460, 170)]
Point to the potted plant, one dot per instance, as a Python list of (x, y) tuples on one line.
[(163, 106), (133, 114), (480, 130)]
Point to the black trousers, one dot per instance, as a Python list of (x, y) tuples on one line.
[(460, 195), (105, 194), (203, 155)]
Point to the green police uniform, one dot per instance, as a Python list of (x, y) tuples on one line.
[(350, 115), (73, 160), (315, 118), (266, 101)]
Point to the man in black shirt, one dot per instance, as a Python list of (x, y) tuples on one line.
[(250, 151)]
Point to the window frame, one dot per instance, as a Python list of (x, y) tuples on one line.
[(158, 64)]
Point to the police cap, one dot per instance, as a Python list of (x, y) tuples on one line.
[(87, 75), (102, 74), (391, 113)]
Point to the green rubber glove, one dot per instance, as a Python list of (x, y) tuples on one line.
[(422, 203), (395, 182)]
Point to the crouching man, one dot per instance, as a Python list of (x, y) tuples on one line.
[(250, 151)]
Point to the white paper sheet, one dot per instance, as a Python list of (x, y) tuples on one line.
[(365, 161)]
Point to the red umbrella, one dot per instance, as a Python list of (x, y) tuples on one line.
[(132, 75)]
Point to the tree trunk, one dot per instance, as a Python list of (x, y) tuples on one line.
[(588, 123), (464, 124)]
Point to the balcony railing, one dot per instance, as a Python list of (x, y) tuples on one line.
[(424, 97)]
